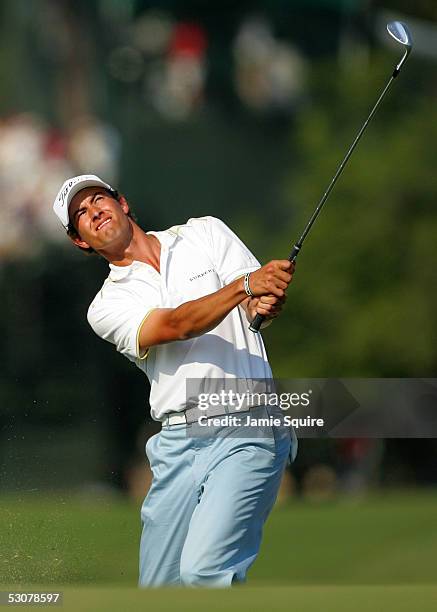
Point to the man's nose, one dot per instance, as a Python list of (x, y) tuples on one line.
[(95, 212)]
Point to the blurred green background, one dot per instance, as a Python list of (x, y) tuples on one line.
[(241, 110)]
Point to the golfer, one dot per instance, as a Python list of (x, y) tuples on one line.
[(177, 303)]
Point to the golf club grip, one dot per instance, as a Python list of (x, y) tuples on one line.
[(258, 320), (256, 323)]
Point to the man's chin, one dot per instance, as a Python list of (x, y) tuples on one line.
[(108, 237)]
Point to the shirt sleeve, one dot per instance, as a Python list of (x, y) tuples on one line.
[(116, 315), (231, 256)]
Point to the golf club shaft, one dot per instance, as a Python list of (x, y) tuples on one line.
[(256, 323)]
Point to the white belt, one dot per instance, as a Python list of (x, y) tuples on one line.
[(180, 418), (176, 418)]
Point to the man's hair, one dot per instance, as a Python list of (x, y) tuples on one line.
[(73, 233)]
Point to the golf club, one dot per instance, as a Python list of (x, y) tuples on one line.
[(401, 34)]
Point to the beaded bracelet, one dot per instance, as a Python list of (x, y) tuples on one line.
[(247, 286)]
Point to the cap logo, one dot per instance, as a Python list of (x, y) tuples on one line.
[(65, 191)]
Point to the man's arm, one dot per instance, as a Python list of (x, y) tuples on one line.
[(197, 317)]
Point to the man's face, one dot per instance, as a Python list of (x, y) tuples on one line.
[(99, 219)]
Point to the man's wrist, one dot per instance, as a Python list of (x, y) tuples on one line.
[(246, 282), (241, 290)]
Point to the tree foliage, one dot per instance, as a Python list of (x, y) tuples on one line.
[(364, 298)]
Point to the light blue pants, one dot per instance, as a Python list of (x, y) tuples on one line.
[(203, 516)]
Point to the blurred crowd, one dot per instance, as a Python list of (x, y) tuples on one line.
[(35, 159), (170, 58)]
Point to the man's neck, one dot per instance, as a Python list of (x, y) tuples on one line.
[(140, 247)]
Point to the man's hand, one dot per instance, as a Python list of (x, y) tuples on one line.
[(276, 276), (267, 305), (272, 279)]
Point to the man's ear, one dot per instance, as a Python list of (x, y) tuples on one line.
[(124, 204), (79, 242)]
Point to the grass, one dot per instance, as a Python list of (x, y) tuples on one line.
[(376, 553)]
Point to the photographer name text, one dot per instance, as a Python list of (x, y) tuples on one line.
[(232, 420)]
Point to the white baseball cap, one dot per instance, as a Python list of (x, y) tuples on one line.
[(69, 190)]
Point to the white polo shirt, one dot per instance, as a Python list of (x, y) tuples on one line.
[(197, 259)]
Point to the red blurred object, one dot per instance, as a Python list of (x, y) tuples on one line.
[(55, 145), (353, 449), (189, 40)]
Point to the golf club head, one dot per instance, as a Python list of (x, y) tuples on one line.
[(400, 32)]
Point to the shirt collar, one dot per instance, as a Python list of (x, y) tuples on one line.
[(166, 238)]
